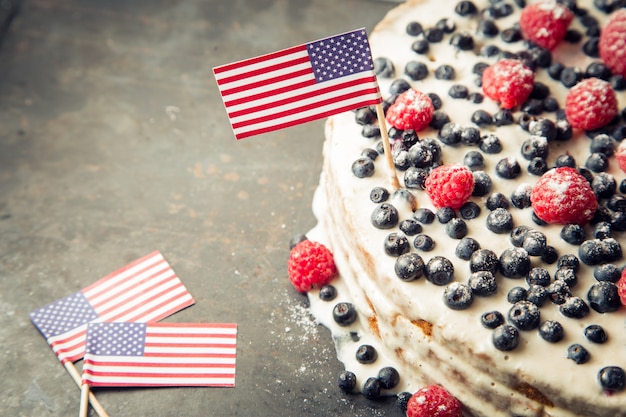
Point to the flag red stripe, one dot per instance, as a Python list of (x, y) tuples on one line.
[(119, 271), (191, 355), (156, 383), (258, 59), (142, 314), (310, 106), (269, 93), (156, 375), (264, 70), (270, 81), (157, 365), (190, 336), (308, 95), (187, 345), (153, 326), (296, 122)]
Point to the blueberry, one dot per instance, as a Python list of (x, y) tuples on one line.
[(458, 296), (399, 86), (439, 270), (538, 276), (573, 234), (385, 216), (537, 166), (433, 35), (607, 272), (456, 228), (415, 178), (516, 294), (436, 100), (371, 388), (563, 129), (388, 377), (439, 120), (424, 215), (514, 263), (447, 25), (551, 331), (490, 143), (577, 353), (525, 120), (469, 210), (414, 28), (616, 203), (482, 118), (555, 70), (511, 35), (602, 143), (602, 230), (505, 337), (524, 315), (396, 244), (410, 227), (420, 46), (483, 283), (416, 70), (445, 72), (567, 275), (383, 67), (470, 136), (603, 185), (484, 260), (465, 8), (402, 401), (463, 41), (508, 168), (612, 378), (618, 82), (458, 91), (535, 146), (488, 28), (420, 156), (366, 354), (364, 116), (445, 214), (558, 292), (574, 307), (537, 295), (409, 266), (597, 162), (466, 247), (489, 50), (491, 319), (568, 261), (433, 146), (347, 381), (497, 200), (532, 106), (595, 334), (450, 133), (550, 104), (363, 167), (474, 160), (379, 195), (369, 153), (370, 131), (503, 117), (482, 183), (423, 242), (570, 76), (565, 161), (590, 252), (344, 314), (328, 293), (603, 297), (590, 47), (534, 242), (520, 198), (499, 221)]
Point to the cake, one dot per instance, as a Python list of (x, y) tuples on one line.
[(504, 289)]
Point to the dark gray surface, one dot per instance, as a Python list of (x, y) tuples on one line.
[(114, 143)]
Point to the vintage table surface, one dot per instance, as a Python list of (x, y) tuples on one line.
[(114, 143)]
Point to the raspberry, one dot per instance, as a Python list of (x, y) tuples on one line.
[(311, 265), (563, 196), (620, 155), (411, 110), (433, 401), (591, 104), (545, 23), (450, 185), (508, 81), (612, 44), (621, 287)]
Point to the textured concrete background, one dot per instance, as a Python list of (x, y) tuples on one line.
[(114, 143)]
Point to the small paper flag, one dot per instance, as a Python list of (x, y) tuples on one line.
[(160, 354)]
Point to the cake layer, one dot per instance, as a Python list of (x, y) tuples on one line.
[(407, 322)]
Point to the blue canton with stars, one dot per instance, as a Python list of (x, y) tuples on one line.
[(116, 339), (340, 56), (63, 315)]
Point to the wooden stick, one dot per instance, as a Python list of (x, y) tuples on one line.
[(71, 369), (84, 400), (391, 167)]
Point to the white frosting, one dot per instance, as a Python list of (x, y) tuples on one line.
[(459, 354)]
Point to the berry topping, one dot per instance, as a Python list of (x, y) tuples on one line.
[(433, 401), (621, 287), (508, 81), (620, 155), (612, 378), (613, 43), (450, 186), (311, 265), (591, 104), (346, 381), (545, 23), (411, 110), (563, 196)]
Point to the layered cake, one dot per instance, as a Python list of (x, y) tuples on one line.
[(486, 257)]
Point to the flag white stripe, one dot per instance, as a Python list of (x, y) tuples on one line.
[(270, 87), (254, 66), (209, 360), (163, 381)]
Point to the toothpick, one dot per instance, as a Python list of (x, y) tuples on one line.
[(71, 369), (391, 167)]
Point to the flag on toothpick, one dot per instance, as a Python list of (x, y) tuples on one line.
[(160, 354), (143, 291), (299, 84)]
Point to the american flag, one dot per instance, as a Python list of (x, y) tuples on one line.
[(160, 354), (299, 84), (145, 290)]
